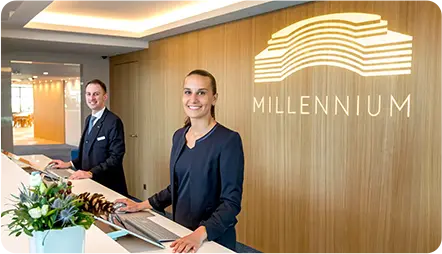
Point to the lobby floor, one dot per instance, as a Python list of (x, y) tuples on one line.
[(25, 136)]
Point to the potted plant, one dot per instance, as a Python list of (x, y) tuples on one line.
[(52, 216)]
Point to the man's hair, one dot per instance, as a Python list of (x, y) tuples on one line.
[(99, 82)]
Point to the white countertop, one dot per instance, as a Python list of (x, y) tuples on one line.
[(96, 240)]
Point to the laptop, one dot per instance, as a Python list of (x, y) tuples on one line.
[(28, 167), (131, 232), (141, 222)]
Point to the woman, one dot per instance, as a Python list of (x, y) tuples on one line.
[(206, 169)]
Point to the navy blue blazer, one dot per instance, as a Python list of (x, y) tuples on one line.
[(104, 157), (216, 184)]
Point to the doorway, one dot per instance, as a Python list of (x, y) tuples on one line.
[(45, 103)]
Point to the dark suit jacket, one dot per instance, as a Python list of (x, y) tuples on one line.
[(104, 157), (216, 180)]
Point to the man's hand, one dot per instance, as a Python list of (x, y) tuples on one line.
[(80, 174), (60, 164), (190, 243)]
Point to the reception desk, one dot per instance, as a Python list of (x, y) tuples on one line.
[(96, 240)]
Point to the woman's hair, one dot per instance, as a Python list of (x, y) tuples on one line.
[(203, 73)]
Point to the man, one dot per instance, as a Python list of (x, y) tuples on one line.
[(102, 144)]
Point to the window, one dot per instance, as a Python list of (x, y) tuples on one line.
[(22, 98)]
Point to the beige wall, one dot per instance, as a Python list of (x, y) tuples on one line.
[(49, 111), (313, 182)]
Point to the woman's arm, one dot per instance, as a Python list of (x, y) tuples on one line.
[(161, 200), (158, 201)]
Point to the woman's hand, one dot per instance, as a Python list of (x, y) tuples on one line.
[(132, 206), (190, 243), (80, 174), (60, 164)]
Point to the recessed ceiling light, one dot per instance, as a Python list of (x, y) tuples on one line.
[(35, 76), (45, 73), (22, 62), (133, 26), (6, 69)]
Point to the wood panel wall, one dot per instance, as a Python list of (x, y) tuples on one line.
[(49, 111), (314, 182)]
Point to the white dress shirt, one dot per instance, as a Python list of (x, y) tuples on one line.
[(98, 115)]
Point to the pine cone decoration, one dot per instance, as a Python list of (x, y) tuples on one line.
[(96, 204)]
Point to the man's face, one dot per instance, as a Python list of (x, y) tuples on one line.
[(95, 97)]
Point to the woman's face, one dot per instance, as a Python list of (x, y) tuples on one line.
[(198, 96)]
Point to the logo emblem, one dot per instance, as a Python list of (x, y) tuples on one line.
[(358, 42)]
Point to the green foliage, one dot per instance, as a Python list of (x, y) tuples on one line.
[(40, 207)]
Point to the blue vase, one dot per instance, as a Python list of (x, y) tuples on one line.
[(66, 240)]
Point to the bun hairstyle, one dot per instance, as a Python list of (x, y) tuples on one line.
[(203, 73)]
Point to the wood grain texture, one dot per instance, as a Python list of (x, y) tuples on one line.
[(125, 76), (49, 111), (313, 182)]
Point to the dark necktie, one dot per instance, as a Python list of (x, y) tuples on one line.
[(91, 124)]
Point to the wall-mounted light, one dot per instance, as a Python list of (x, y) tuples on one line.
[(45, 73), (358, 42)]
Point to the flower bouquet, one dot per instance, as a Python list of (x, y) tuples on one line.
[(53, 216)]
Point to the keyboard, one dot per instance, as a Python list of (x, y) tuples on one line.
[(63, 173), (151, 229)]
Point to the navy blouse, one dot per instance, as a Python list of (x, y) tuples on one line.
[(182, 172)]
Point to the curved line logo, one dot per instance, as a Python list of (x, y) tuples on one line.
[(358, 42)]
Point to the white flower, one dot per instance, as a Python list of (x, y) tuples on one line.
[(35, 212), (44, 210), (34, 180), (42, 187)]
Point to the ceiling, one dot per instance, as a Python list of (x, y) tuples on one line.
[(106, 28), (29, 45), (23, 72), (130, 10)]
